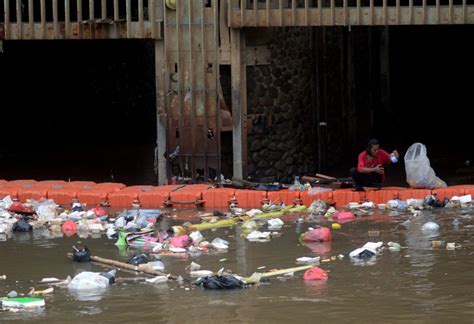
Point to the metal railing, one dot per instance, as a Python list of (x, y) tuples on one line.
[(266, 13), (80, 19)]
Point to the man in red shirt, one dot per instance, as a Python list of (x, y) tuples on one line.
[(370, 170)]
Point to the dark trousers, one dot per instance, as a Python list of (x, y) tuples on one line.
[(372, 179)]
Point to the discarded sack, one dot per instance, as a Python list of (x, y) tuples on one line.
[(20, 208), (418, 169), (320, 234), (315, 273), (81, 254), (22, 226), (89, 281), (138, 259), (219, 282)]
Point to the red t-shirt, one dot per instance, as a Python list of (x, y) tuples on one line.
[(381, 158)]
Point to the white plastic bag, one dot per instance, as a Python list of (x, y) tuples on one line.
[(418, 169)]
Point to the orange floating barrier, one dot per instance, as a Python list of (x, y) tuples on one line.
[(342, 197), (217, 197), (307, 199), (29, 191), (157, 197), (93, 196), (116, 186), (51, 183), (414, 193), (80, 184), (449, 192), (250, 198), (2, 182), (188, 196), (288, 197), (62, 196), (383, 195), (21, 182), (5, 190), (126, 196)]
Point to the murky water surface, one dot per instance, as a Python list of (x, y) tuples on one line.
[(418, 284)]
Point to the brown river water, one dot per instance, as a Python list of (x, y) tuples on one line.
[(419, 284)]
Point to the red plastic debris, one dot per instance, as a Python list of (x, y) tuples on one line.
[(320, 234), (315, 273)]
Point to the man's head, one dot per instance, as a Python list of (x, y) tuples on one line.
[(373, 147)]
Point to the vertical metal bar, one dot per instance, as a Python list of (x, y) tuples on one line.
[(79, 17), (424, 12), (333, 13), (204, 90), (91, 10), (116, 10), (215, 5), (293, 12), (437, 12), (141, 24), (243, 7), (410, 5), (103, 9), (55, 19), (464, 11), (371, 12), (43, 19), (67, 19), (31, 19), (320, 8), (6, 9), (450, 6), (359, 13), (280, 7), (19, 23), (267, 6), (239, 107), (152, 17), (128, 13), (161, 116), (191, 88), (166, 88), (344, 4), (397, 11), (255, 13), (306, 12), (180, 81)]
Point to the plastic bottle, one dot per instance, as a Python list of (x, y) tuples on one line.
[(393, 157)]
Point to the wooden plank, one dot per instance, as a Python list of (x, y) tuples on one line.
[(410, 5), (31, 19), (67, 19), (371, 12), (306, 9), (397, 7), (359, 13), (424, 11), (91, 10), (79, 18), (280, 7), (203, 93), (161, 115), (464, 10), (141, 26), (128, 8), (191, 67), (103, 9), (19, 29), (239, 104), (384, 6), (152, 17), (255, 9), (293, 12), (267, 6), (333, 11), (243, 9), (215, 5), (6, 13), (450, 7), (55, 19), (43, 19)]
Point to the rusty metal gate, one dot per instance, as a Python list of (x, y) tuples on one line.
[(190, 83)]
